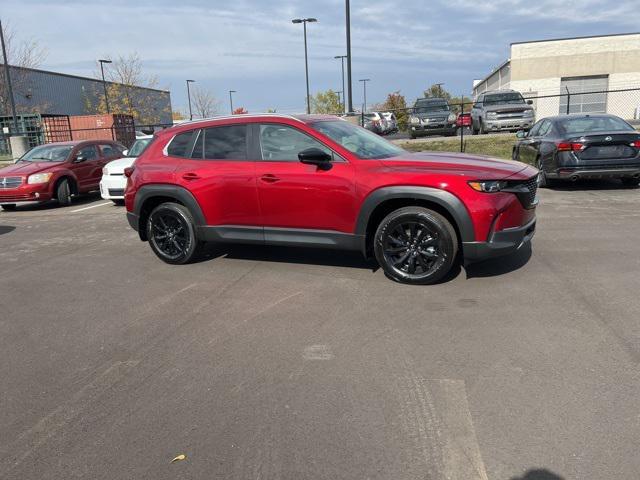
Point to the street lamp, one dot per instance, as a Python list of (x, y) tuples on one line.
[(348, 29), (341, 98), (189, 98), (304, 22), (231, 92), (104, 83), (342, 57), (364, 84)]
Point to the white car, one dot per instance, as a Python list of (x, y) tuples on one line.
[(113, 180), (392, 122)]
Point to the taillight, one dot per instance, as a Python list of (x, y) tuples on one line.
[(636, 144), (570, 146), (129, 171)]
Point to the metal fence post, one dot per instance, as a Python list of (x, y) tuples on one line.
[(568, 98), (461, 126)]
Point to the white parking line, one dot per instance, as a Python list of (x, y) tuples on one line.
[(92, 206)]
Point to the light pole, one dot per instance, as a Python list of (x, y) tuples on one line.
[(304, 22), (104, 83), (364, 85), (342, 57), (341, 98), (231, 92), (189, 98), (348, 21)]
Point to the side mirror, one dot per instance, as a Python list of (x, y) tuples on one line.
[(529, 102), (315, 156), (521, 134), (125, 153), (80, 159)]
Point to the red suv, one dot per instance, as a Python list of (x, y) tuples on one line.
[(321, 181), (56, 171)]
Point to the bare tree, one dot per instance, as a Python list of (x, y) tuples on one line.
[(204, 103), (126, 75), (25, 54)]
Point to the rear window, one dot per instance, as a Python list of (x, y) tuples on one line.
[(594, 124)]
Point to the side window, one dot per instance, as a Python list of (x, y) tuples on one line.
[(535, 129), (182, 144), (108, 151), (544, 128), (283, 143), (229, 142), (88, 153)]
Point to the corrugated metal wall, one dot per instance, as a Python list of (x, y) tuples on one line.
[(59, 94)]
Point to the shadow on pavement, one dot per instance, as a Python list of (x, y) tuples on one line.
[(539, 474), (6, 229), (500, 265), (589, 185), (53, 205)]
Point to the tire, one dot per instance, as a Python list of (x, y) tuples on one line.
[(543, 181), (63, 192), (630, 182), (9, 207), (118, 202), (422, 263), (413, 137), (481, 129), (172, 234)]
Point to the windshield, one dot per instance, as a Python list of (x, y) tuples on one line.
[(502, 98), (363, 143), (428, 107), (574, 126), (138, 147), (47, 153)]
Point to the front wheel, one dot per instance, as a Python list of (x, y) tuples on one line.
[(415, 245), (172, 234), (9, 207), (63, 192)]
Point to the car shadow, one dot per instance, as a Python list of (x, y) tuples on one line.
[(501, 265), (589, 185), (52, 204), (6, 229), (539, 474)]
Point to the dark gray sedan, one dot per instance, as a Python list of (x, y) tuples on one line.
[(570, 147)]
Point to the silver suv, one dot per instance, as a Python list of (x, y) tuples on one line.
[(501, 110)]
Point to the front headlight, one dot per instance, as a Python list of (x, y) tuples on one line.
[(488, 186), (451, 118), (528, 113), (414, 120), (39, 178), (105, 171)]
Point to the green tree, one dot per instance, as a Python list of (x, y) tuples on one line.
[(326, 102), (397, 104), (436, 91), (456, 102)]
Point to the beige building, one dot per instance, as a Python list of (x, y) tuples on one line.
[(586, 64)]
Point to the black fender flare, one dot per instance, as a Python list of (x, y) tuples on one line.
[(452, 204), (181, 194)]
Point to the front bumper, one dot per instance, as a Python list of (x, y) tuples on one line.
[(500, 243), (434, 129), (564, 173), (25, 194), (112, 187), (509, 124)]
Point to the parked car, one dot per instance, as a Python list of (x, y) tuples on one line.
[(316, 180), (392, 122), (463, 120), (431, 116), (56, 171), (570, 147), (113, 180), (500, 110), (374, 122)]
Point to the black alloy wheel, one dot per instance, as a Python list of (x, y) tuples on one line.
[(415, 245), (172, 234)]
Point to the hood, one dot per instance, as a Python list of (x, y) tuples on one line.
[(119, 165), (474, 166), (27, 168), (508, 107)]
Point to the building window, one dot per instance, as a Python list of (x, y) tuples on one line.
[(581, 102)]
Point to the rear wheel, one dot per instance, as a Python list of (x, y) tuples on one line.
[(415, 245), (172, 234), (63, 192), (631, 182), (481, 129), (9, 206)]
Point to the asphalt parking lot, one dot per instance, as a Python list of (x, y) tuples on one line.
[(272, 363)]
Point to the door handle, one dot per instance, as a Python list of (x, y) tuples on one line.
[(191, 176), (269, 178)]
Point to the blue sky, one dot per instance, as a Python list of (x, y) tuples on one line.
[(252, 47)]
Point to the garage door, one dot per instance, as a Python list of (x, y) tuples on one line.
[(580, 102)]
